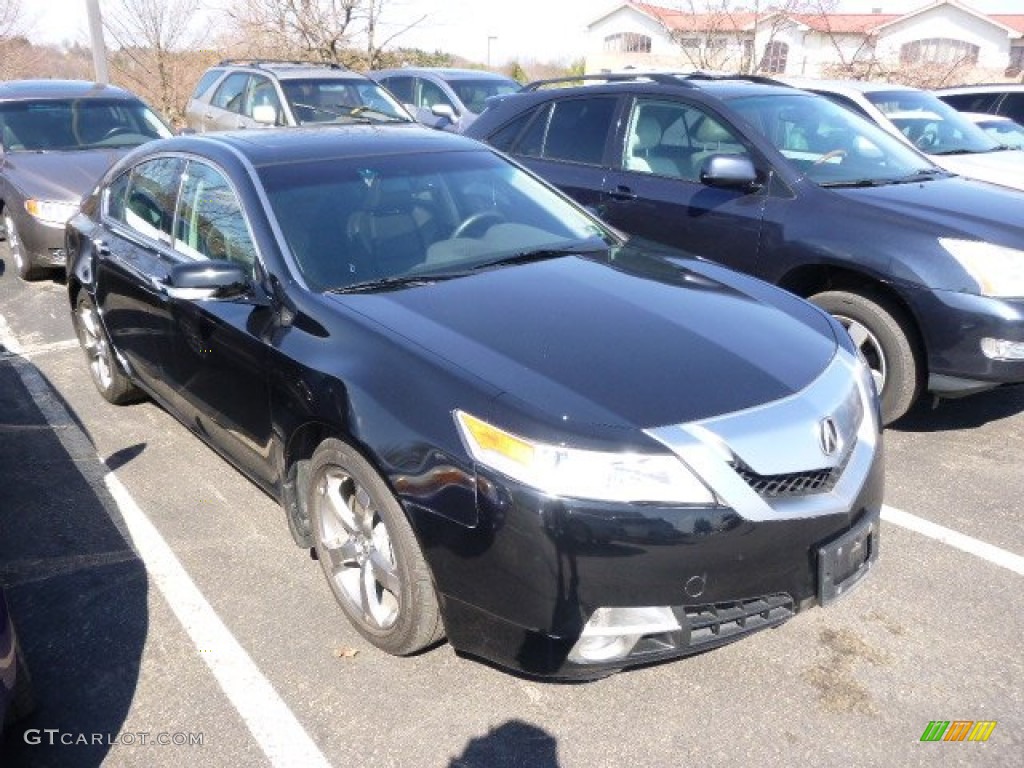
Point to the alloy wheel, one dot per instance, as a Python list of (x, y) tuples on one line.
[(869, 348), (360, 559)]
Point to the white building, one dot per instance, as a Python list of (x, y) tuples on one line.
[(944, 33)]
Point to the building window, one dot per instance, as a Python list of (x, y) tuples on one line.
[(627, 42), (774, 60), (1016, 61), (938, 50)]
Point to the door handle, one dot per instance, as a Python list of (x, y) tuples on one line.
[(622, 192)]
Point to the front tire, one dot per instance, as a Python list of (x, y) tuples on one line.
[(884, 337), (16, 252), (369, 553), (111, 382)]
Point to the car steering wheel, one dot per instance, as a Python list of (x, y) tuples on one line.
[(829, 155), (117, 130), (475, 219)]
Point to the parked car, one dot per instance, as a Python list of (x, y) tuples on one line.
[(922, 267), (489, 416), (444, 98), (1006, 132), (923, 120), (16, 699), (57, 137), (1006, 99), (258, 93)]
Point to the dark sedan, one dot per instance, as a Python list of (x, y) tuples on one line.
[(489, 416), (56, 140)]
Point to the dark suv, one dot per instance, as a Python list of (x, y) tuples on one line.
[(259, 93), (924, 268)]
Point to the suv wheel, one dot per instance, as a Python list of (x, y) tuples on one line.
[(883, 336)]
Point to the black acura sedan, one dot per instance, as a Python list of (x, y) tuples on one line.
[(492, 418), (57, 137)]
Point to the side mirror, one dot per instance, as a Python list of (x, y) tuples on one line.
[(264, 114), (443, 110), (214, 279), (728, 171)]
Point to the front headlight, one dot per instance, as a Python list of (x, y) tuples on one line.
[(582, 474), (998, 270), (51, 211)]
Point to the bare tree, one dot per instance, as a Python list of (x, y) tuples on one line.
[(350, 32), (154, 38), (10, 19)]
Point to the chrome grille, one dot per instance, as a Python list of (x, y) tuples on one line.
[(793, 483)]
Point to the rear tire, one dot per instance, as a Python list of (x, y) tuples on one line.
[(111, 382), (884, 336), (369, 553)]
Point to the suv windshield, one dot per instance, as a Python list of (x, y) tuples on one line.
[(326, 100), (77, 124), (474, 93), (828, 143), (931, 124), (386, 220)]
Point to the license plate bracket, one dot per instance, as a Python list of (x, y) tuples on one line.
[(844, 561)]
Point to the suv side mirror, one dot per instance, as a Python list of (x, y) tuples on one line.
[(264, 114), (728, 171), (443, 110)]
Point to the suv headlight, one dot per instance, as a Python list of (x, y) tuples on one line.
[(998, 270), (584, 474), (51, 211)]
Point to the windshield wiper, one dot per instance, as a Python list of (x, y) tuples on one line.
[(367, 110), (853, 183), (921, 174), (396, 281), (948, 152), (525, 257)]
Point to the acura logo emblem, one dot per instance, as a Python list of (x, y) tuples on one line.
[(828, 434)]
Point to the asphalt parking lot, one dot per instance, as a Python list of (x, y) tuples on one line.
[(159, 598)]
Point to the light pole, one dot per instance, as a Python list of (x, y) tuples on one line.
[(489, 39), (99, 49)]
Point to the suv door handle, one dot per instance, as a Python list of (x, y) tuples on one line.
[(621, 192)]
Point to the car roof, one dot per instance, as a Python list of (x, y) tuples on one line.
[(16, 90), (982, 88), (446, 73), (845, 86), (719, 86), (319, 143)]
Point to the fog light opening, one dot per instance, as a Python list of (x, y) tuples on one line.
[(1002, 349), (613, 632)]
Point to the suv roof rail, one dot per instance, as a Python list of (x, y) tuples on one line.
[(259, 63)]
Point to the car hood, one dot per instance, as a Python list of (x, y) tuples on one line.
[(621, 339), (1005, 167), (949, 207), (59, 176)]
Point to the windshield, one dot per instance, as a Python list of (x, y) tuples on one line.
[(1006, 133), (474, 93), (364, 220), (931, 124), (337, 100), (827, 143), (52, 125)]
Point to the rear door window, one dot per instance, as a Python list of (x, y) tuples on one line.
[(573, 130)]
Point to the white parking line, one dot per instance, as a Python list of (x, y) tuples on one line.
[(948, 536), (34, 350), (270, 721)]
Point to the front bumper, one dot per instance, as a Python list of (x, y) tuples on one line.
[(953, 325), (41, 243)]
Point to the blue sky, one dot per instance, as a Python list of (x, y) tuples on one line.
[(543, 29)]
